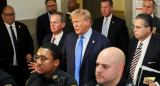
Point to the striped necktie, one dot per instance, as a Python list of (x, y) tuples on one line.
[(134, 63)]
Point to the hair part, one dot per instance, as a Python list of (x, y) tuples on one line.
[(110, 2), (56, 52), (63, 17), (147, 20), (82, 12), (50, 0)]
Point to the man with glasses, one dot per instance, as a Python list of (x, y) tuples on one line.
[(43, 21), (144, 49), (16, 46), (47, 69)]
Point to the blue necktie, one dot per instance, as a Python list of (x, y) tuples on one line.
[(104, 29), (78, 57)]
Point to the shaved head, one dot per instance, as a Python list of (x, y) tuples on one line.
[(109, 66)]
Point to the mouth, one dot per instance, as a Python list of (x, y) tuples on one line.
[(98, 76)]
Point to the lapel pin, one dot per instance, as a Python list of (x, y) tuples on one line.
[(93, 41), (19, 26), (112, 22), (55, 76)]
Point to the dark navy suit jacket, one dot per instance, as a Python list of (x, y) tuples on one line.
[(152, 54), (47, 39), (43, 27), (96, 43), (117, 34)]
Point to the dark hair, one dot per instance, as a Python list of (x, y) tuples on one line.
[(56, 52), (147, 20), (50, 0), (63, 17), (110, 2)]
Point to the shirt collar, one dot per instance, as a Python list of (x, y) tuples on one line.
[(109, 17), (8, 26), (152, 15), (49, 15), (59, 35), (146, 40), (88, 34)]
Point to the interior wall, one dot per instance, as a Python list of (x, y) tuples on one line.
[(119, 5), (128, 16)]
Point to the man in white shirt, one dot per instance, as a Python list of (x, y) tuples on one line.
[(149, 8), (57, 23), (16, 46), (112, 27), (143, 49)]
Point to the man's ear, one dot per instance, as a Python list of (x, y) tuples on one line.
[(56, 62), (120, 69), (63, 24)]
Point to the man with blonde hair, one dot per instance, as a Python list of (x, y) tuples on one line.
[(82, 47)]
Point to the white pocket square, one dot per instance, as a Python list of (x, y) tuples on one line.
[(151, 62)]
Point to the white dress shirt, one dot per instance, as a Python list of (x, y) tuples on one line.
[(57, 38), (85, 41), (109, 20), (141, 58), (10, 34)]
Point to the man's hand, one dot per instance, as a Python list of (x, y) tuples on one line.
[(29, 58), (151, 83), (33, 66)]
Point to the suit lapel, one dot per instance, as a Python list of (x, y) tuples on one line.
[(89, 48), (18, 27), (101, 24), (111, 25), (149, 51)]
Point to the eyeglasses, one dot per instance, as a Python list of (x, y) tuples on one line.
[(42, 58), (11, 14), (136, 27), (52, 5)]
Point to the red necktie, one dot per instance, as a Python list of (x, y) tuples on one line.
[(53, 39)]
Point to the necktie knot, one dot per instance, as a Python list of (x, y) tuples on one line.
[(10, 27), (82, 37), (106, 20), (140, 45)]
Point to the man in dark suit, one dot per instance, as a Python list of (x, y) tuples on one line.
[(43, 21), (72, 5), (80, 60), (16, 46), (143, 49), (148, 8), (57, 23), (115, 28), (109, 68)]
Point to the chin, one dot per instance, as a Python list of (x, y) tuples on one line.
[(40, 72)]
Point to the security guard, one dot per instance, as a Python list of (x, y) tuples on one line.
[(6, 79), (47, 68)]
